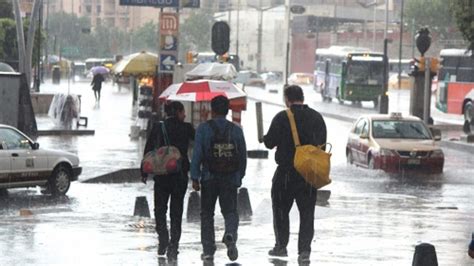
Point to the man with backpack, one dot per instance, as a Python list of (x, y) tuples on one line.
[(217, 168), (288, 185)]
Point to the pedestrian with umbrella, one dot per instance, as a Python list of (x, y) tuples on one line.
[(97, 85)]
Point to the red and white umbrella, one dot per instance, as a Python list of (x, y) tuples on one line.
[(201, 90)]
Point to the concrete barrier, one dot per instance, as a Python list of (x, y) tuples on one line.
[(193, 214), (425, 255), (244, 207), (41, 102), (141, 207)]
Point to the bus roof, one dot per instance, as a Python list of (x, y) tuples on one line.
[(454, 52), (341, 50)]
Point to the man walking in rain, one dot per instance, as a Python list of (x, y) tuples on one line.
[(288, 185), (217, 168)]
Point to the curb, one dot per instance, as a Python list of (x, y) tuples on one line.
[(76, 132), (457, 145), (127, 175)]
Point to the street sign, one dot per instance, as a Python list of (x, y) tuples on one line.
[(190, 3), (154, 3), (296, 9), (169, 23), (167, 63)]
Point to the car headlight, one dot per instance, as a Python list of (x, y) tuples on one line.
[(387, 152), (437, 154)]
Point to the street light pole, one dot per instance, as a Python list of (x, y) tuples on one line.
[(400, 46), (288, 35)]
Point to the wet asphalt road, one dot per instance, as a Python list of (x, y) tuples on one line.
[(372, 218)]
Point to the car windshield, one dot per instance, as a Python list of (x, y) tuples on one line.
[(365, 72), (399, 129)]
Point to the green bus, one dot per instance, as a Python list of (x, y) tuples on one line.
[(349, 74)]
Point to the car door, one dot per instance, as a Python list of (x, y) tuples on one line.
[(26, 164), (355, 141), (364, 143), (5, 164)]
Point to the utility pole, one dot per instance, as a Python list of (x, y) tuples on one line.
[(259, 38), (383, 101), (237, 37), (400, 46), (288, 36)]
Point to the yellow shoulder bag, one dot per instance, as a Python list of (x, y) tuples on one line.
[(310, 161)]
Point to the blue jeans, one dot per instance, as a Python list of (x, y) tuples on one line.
[(226, 191)]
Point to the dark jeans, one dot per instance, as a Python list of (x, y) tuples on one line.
[(289, 186), (226, 191), (167, 186)]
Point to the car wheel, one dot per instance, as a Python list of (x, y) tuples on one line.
[(468, 117), (371, 163), (350, 159), (60, 180), (3, 193)]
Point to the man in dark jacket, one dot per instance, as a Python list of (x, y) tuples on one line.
[(288, 185), (217, 180), (171, 187)]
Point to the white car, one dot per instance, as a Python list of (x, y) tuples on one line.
[(23, 164)]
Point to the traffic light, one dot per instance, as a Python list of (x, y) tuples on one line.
[(420, 64), (434, 65), (220, 38)]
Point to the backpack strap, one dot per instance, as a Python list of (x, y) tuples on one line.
[(294, 131)]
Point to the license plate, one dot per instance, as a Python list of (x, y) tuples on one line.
[(413, 161)]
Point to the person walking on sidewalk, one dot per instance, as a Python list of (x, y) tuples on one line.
[(172, 186), (217, 168), (288, 185), (97, 85)]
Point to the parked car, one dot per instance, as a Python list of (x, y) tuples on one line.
[(301, 79), (394, 143), (249, 78), (406, 82), (271, 77), (24, 164)]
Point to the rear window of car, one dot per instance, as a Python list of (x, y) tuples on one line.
[(399, 129)]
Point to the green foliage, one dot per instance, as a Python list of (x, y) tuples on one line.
[(195, 32), (144, 38), (463, 12), (6, 9), (8, 43), (429, 13)]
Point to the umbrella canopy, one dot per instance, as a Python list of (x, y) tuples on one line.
[(221, 71), (6, 68), (201, 90), (99, 70), (142, 63)]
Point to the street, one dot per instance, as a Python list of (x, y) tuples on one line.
[(372, 218)]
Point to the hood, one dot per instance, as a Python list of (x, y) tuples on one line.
[(407, 144), (61, 155)]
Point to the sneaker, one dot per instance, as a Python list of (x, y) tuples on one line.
[(232, 251), (172, 253), (162, 249), (278, 252), (303, 257)]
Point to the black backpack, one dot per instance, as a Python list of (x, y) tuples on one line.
[(223, 156)]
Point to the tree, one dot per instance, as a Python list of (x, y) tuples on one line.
[(463, 12), (431, 13), (144, 38), (6, 9), (8, 45), (195, 32)]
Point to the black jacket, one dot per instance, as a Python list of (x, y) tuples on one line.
[(179, 133), (311, 130)]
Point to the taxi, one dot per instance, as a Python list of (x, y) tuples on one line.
[(24, 164), (394, 143)]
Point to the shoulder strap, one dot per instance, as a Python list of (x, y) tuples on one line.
[(165, 134), (294, 131)]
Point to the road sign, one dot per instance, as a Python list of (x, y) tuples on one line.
[(296, 9), (155, 3), (190, 3), (167, 63), (169, 23)]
